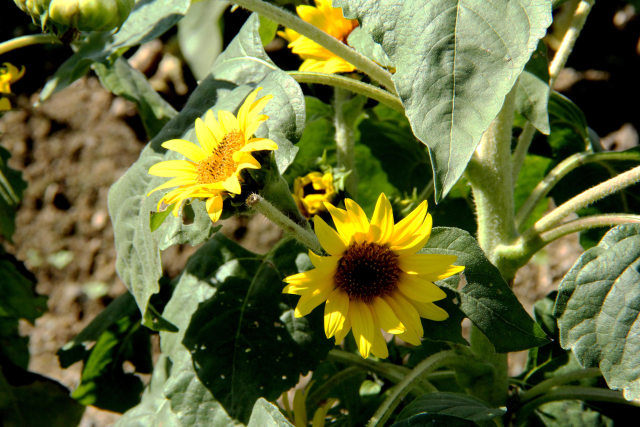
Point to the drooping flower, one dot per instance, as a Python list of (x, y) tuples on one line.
[(212, 169), (8, 74), (330, 20), (373, 278), (311, 190)]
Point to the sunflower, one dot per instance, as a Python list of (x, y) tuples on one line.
[(330, 20), (8, 74), (311, 190), (213, 168), (373, 279)]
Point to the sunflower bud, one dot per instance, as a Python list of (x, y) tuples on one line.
[(37, 9), (90, 15)]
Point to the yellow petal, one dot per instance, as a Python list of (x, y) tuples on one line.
[(311, 300), (363, 326), (335, 312), (205, 136), (430, 311), (173, 168), (358, 217), (410, 223), (341, 333), (408, 315), (431, 267), (186, 148), (214, 127), (214, 207), (386, 317), (382, 220), (173, 182), (379, 345), (228, 121), (413, 243), (328, 237), (232, 184), (243, 112), (259, 144), (343, 223), (418, 289)]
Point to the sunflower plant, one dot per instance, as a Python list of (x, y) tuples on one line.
[(415, 157)]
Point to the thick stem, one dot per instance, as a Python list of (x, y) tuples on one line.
[(305, 237), (351, 85), (345, 141), (569, 39), (334, 45), (28, 40), (490, 175), (587, 197), (559, 172)]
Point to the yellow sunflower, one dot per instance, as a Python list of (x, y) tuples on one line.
[(311, 190), (330, 20), (373, 279), (8, 74), (213, 168)]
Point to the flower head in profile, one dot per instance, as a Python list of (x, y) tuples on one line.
[(8, 74), (330, 20), (312, 190), (373, 278), (212, 168)]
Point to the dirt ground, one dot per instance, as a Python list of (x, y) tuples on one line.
[(75, 145)]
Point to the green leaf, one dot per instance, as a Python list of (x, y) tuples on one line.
[(200, 35), (452, 404), (11, 188), (260, 347), (362, 42), (598, 305), (266, 414), (18, 298), (268, 30), (532, 94), (123, 80), (244, 63), (486, 299), (533, 170), (455, 60), (31, 400), (566, 117), (14, 348)]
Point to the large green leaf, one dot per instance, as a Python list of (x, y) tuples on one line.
[(18, 299), (123, 80), (532, 94), (11, 188), (598, 305), (244, 63), (200, 35), (486, 299), (455, 62), (266, 414), (452, 404), (260, 348)]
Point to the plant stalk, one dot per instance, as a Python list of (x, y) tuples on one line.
[(350, 84), (334, 45), (305, 237), (27, 40), (522, 147), (547, 385)]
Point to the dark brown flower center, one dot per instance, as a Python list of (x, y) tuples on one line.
[(367, 270), (220, 165), (308, 190)]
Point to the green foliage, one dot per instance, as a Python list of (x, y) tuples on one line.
[(11, 188), (486, 299), (532, 93), (456, 405), (598, 302), (265, 414), (453, 67)]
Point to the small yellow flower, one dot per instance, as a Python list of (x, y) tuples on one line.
[(331, 21), (311, 190), (8, 74), (373, 279), (213, 168)]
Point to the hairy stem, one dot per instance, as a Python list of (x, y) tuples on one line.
[(586, 223), (345, 140), (27, 40), (569, 377), (350, 84), (559, 172), (305, 237), (587, 197), (332, 44), (568, 41)]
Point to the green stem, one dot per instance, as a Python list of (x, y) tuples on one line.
[(27, 40), (398, 392), (586, 223), (587, 197), (568, 41), (305, 237), (560, 171), (572, 393), (350, 84), (386, 370), (522, 147), (490, 175), (332, 44), (345, 140), (569, 377)]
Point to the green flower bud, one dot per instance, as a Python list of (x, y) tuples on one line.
[(90, 15), (37, 9)]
